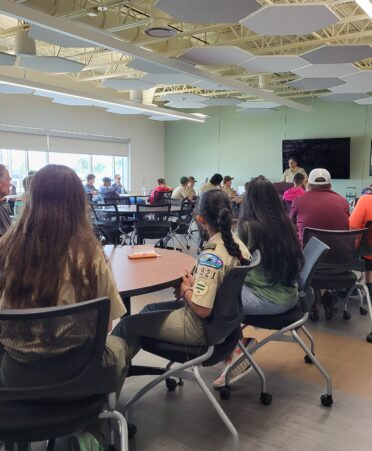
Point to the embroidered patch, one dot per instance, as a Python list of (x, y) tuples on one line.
[(200, 288), (210, 260)]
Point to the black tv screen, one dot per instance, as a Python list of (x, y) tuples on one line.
[(329, 153)]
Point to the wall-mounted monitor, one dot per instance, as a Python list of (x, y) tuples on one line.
[(329, 153)]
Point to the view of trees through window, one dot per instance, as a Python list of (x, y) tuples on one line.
[(20, 162)]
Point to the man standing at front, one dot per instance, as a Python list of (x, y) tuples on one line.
[(5, 220)]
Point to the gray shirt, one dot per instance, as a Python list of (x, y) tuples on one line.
[(5, 220)]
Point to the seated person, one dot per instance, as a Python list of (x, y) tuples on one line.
[(19, 202), (117, 186), (161, 188), (226, 186), (298, 189), (214, 183), (362, 214), (190, 187), (271, 287), (320, 207), (182, 192), (71, 266), (89, 186), (107, 191), (5, 220), (181, 321)]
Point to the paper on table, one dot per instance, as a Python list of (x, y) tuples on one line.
[(148, 254)]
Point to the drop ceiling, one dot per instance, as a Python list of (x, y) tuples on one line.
[(219, 53)]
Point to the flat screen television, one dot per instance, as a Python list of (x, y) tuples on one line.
[(329, 153)]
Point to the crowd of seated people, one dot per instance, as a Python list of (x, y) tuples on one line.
[(77, 270)]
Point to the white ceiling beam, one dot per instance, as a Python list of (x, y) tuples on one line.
[(100, 38)]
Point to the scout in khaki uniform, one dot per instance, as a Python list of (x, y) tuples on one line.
[(181, 321), (293, 169), (190, 187), (181, 192), (214, 183), (226, 188)]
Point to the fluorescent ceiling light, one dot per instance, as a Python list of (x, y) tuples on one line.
[(103, 103), (366, 5)]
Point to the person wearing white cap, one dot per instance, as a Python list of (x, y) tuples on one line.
[(320, 207)]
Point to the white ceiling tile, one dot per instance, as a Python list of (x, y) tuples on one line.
[(216, 56), (326, 70), (340, 97), (273, 63), (208, 11), (124, 111), (365, 101), (126, 84), (182, 97), (222, 101), (285, 20), (44, 94), (185, 105), (73, 101), (53, 64), (53, 37), (210, 86), (169, 79), (9, 89), (165, 118), (355, 83), (338, 54), (6, 59), (258, 105), (314, 84), (150, 68)]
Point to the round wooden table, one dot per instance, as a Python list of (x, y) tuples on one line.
[(146, 275)]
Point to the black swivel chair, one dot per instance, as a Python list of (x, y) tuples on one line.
[(222, 332), (161, 197), (52, 381), (291, 322), (107, 221), (181, 225), (341, 268), (153, 222)]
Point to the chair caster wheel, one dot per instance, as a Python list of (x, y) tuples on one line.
[(132, 430), (326, 400), (225, 393), (266, 399), (363, 311), (346, 315), (369, 337), (308, 360), (187, 247), (171, 384), (180, 382)]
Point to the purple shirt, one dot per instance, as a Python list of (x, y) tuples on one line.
[(321, 209)]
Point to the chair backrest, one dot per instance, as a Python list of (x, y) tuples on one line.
[(366, 244), (344, 248), (227, 312), (106, 214), (313, 253), (153, 212), (282, 186), (54, 352), (161, 197), (109, 198)]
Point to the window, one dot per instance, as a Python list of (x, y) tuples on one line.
[(20, 162)]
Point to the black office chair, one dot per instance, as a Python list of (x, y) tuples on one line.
[(222, 332), (342, 267), (153, 222), (52, 381), (161, 197), (291, 322), (110, 225), (181, 225)]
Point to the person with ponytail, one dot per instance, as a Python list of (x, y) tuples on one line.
[(181, 321), (271, 287)]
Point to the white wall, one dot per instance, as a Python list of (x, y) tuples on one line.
[(146, 137)]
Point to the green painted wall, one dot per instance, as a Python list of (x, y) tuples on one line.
[(246, 145)]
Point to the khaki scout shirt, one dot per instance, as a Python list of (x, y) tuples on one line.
[(206, 187), (212, 266), (228, 190), (181, 192), (288, 174)]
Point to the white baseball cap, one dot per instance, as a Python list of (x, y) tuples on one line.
[(319, 173)]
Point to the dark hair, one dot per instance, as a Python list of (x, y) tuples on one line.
[(216, 179), (184, 180), (298, 178), (293, 158), (215, 207), (52, 238), (264, 225), (90, 177), (161, 181)]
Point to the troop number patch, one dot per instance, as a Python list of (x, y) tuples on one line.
[(210, 260)]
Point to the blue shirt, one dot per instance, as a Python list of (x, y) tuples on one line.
[(108, 192), (89, 188), (119, 188)]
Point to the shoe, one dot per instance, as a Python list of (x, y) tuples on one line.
[(315, 308), (240, 371), (328, 302)]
